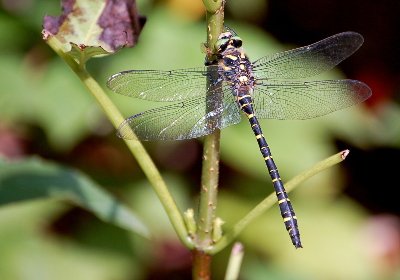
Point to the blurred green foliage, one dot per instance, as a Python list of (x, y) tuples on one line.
[(38, 90), (35, 179)]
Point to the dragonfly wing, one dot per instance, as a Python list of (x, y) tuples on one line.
[(188, 119), (157, 85), (304, 100), (309, 60)]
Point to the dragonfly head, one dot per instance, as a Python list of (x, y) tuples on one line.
[(226, 41)]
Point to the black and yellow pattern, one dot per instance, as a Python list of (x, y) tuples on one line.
[(288, 215), (239, 75), (213, 97)]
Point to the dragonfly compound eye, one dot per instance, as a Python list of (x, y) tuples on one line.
[(222, 44), (236, 42)]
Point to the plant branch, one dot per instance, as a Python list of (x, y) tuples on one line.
[(212, 6), (269, 201), (136, 148), (210, 170), (235, 261)]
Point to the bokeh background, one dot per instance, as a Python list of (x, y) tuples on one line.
[(348, 215)]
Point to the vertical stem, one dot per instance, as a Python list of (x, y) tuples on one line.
[(210, 171), (201, 265), (209, 189), (215, 25)]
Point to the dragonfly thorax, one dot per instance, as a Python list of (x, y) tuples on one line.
[(236, 70), (233, 63)]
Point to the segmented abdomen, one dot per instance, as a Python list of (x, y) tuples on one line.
[(288, 215)]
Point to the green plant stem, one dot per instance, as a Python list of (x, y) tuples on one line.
[(212, 6), (269, 201), (210, 170), (235, 261), (209, 189), (136, 148)]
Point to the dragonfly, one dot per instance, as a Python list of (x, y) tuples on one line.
[(204, 99)]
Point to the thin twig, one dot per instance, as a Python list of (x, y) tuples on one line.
[(136, 148), (235, 262), (269, 201)]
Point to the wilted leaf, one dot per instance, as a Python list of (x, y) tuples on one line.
[(37, 179), (95, 27), (82, 52)]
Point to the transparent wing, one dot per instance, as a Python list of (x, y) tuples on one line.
[(155, 85), (309, 60), (304, 100), (188, 119)]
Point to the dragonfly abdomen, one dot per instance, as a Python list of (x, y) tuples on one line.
[(286, 209)]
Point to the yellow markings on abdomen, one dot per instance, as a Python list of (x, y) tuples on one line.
[(243, 96), (283, 200), (258, 136), (244, 105), (287, 219)]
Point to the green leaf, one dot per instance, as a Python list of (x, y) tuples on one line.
[(49, 256), (37, 179)]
